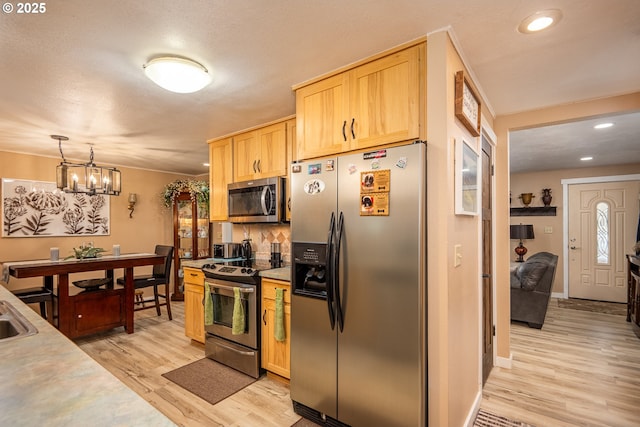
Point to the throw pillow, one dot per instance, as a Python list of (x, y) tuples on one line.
[(530, 274)]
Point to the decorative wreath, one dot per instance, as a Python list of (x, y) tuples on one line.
[(198, 191)]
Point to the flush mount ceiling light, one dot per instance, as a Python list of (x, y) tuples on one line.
[(176, 74), (539, 21), (586, 158)]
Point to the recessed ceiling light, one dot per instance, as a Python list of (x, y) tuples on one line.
[(539, 21), (176, 74), (586, 158), (603, 125), (205, 164)]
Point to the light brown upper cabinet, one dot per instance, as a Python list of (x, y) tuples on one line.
[(375, 103), (260, 153), (220, 174)]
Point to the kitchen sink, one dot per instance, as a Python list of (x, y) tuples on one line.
[(13, 324)]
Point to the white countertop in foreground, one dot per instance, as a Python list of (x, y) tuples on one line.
[(46, 380)]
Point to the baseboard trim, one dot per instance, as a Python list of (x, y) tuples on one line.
[(471, 417), (504, 362), (559, 295)]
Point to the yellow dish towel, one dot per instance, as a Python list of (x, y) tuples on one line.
[(278, 330), (208, 305), (237, 320)]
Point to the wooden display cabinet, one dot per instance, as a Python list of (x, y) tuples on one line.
[(275, 354), (190, 236), (193, 307)]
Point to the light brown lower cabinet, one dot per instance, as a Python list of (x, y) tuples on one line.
[(275, 354), (193, 308)]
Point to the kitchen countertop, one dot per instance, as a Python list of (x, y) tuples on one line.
[(48, 380), (282, 273)]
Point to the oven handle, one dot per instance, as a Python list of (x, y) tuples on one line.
[(230, 288), (246, 353)]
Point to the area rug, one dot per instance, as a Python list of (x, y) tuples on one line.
[(486, 419), (619, 309), (210, 380)]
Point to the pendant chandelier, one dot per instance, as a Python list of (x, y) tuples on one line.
[(87, 178)]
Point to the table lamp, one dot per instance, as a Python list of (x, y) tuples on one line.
[(521, 232)]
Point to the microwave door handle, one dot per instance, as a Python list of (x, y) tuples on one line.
[(265, 198)]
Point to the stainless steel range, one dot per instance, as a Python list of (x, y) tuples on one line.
[(241, 350)]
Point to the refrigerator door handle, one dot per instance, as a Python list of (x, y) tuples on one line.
[(329, 272), (336, 271)]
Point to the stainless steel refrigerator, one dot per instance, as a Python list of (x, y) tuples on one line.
[(359, 301)]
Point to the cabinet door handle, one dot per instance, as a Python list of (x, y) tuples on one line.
[(344, 130), (264, 313), (254, 166), (353, 134), (259, 167)]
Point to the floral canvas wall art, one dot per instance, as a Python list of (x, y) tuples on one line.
[(38, 209)]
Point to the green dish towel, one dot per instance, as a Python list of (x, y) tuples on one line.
[(278, 330), (238, 313), (208, 305)]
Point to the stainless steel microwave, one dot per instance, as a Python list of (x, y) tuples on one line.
[(259, 200)]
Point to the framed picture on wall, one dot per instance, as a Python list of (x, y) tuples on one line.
[(39, 209), (467, 104), (467, 178)]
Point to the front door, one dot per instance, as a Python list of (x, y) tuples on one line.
[(487, 261), (602, 229)]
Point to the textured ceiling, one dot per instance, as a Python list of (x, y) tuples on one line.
[(76, 69)]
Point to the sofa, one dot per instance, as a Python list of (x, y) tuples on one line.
[(531, 283)]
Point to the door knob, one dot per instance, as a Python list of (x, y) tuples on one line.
[(574, 247)]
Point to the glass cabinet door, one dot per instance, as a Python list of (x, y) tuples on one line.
[(191, 237)]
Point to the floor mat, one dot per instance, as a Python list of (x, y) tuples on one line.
[(486, 419), (210, 380)]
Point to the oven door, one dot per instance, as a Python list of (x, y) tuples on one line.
[(222, 296)]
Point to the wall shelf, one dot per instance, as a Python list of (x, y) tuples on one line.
[(534, 211)]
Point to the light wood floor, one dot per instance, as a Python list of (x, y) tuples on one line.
[(581, 369), (158, 346)]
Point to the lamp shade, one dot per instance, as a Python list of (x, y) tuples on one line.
[(175, 74), (522, 232)]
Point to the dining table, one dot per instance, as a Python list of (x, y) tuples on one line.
[(95, 302)]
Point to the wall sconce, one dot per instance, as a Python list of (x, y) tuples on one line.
[(132, 203)]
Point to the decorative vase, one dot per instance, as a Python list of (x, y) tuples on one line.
[(526, 199), (546, 196)]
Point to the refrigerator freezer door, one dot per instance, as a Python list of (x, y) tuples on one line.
[(382, 349), (313, 342)]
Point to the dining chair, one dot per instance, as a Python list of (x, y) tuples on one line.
[(41, 295), (161, 275)]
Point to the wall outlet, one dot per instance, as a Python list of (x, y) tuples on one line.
[(548, 229)]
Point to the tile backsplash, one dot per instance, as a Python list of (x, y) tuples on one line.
[(262, 235)]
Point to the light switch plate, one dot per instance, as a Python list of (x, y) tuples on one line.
[(457, 255), (548, 229)]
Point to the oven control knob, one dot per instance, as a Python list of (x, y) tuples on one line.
[(249, 271), (243, 270)]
